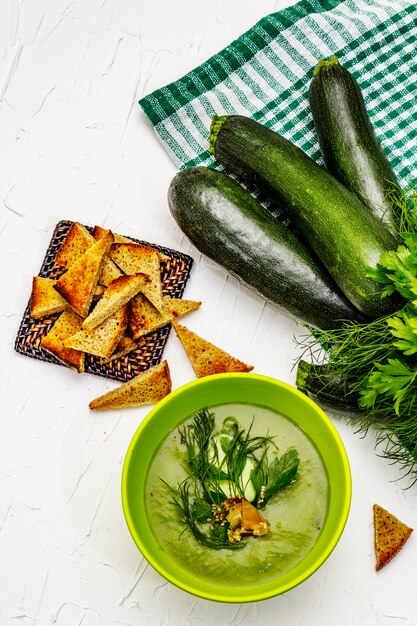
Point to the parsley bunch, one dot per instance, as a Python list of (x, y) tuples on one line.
[(395, 377), (377, 362)]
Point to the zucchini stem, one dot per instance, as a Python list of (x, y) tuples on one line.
[(216, 124), (333, 60)]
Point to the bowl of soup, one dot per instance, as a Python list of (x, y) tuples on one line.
[(236, 487)]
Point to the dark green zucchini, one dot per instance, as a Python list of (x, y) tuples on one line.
[(344, 234), (228, 225), (328, 389), (350, 148)]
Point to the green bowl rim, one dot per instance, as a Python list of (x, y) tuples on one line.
[(321, 558)]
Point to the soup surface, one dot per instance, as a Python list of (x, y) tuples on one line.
[(295, 515)]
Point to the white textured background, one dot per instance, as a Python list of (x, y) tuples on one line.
[(74, 145)]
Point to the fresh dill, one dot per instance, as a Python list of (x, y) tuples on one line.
[(191, 513)]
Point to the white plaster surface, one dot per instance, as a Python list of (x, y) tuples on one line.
[(74, 145)]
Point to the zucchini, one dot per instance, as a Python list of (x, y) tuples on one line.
[(333, 391), (228, 225), (344, 234), (349, 145)]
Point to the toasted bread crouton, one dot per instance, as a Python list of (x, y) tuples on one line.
[(205, 357), (67, 324), (45, 300), (78, 284), (75, 244), (132, 258), (125, 346), (390, 535), (102, 340), (178, 307), (99, 231), (109, 272), (145, 318), (117, 294), (147, 388), (99, 292)]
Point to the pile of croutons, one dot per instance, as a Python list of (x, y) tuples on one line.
[(109, 297)]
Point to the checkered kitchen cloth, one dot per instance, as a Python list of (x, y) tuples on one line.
[(265, 75)]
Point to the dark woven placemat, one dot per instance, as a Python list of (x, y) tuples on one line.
[(175, 272)]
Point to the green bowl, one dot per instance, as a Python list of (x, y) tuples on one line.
[(222, 389)]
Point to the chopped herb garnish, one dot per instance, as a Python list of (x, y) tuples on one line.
[(230, 475)]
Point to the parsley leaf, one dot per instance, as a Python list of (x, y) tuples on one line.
[(393, 378), (405, 328), (397, 270), (270, 477)]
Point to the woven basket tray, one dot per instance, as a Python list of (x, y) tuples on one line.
[(174, 275)]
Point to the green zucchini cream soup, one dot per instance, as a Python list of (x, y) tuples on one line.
[(237, 494)]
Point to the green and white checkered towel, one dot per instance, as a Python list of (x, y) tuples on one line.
[(265, 75)]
